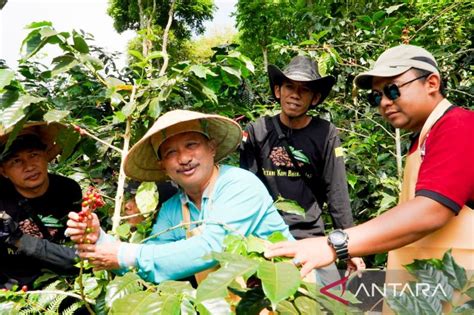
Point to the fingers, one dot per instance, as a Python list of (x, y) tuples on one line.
[(287, 249)]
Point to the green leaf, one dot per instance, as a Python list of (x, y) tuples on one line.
[(154, 108), (16, 112), (276, 237), (470, 292), (404, 304), (146, 303), (136, 54), (55, 115), (286, 308), (154, 55), (67, 140), (199, 71), (255, 244), (121, 287), (215, 285), (352, 180), (6, 76), (63, 63), (147, 197), (289, 206), (466, 308), (393, 8), (214, 306), (79, 43), (307, 306), (123, 230), (279, 280), (456, 274), (299, 155), (437, 281), (187, 307), (176, 287), (231, 76), (378, 15)]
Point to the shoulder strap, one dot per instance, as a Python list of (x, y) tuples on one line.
[(282, 137)]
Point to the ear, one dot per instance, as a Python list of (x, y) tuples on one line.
[(212, 145), (2, 172), (160, 166), (316, 98), (433, 83), (277, 91)]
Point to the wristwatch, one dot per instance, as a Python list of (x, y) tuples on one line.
[(338, 239)]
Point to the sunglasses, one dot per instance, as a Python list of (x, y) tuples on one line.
[(391, 91)]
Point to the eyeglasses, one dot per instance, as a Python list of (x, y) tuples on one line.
[(391, 91)]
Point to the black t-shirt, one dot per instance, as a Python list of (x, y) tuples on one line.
[(317, 149), (63, 195)]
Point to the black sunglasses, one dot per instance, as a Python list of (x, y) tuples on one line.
[(391, 91)]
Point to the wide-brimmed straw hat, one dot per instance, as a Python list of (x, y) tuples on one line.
[(302, 69), (39, 134), (395, 61), (142, 162)]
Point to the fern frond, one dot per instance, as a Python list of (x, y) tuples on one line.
[(74, 307), (54, 305)]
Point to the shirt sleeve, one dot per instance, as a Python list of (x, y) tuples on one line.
[(241, 203), (334, 176), (446, 173), (248, 154)]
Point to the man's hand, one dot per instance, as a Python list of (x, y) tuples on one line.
[(9, 231), (355, 264), (82, 230), (104, 256), (310, 253)]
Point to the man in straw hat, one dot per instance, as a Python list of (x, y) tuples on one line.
[(299, 157), (433, 214), (186, 147), (33, 204)]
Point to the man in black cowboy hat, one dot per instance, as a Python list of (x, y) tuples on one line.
[(313, 172), (32, 205)]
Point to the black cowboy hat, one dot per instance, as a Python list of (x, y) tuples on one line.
[(302, 69)]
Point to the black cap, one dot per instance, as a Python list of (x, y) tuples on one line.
[(22, 142)]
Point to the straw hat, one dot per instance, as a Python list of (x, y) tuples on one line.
[(302, 69), (142, 161), (45, 132)]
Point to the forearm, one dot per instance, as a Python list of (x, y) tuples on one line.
[(404, 224), (57, 255)]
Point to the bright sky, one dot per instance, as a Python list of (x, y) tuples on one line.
[(66, 15)]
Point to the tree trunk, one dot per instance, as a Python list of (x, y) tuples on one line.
[(165, 39)]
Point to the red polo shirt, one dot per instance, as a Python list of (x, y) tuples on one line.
[(447, 170)]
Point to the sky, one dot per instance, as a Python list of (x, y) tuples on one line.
[(88, 15)]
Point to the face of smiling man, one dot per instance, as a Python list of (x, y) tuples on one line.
[(188, 159), (28, 171)]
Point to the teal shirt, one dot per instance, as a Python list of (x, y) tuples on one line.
[(239, 200)]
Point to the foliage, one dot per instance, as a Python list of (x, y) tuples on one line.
[(190, 15), (441, 279), (245, 283), (345, 39)]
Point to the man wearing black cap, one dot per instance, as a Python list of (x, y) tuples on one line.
[(297, 156), (33, 204)]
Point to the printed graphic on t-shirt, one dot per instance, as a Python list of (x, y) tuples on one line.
[(279, 157), (28, 227), (283, 166)]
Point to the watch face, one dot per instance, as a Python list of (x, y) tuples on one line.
[(338, 238)]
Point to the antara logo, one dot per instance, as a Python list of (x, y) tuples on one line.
[(387, 289)]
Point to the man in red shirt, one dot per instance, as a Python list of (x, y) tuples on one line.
[(438, 188)]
